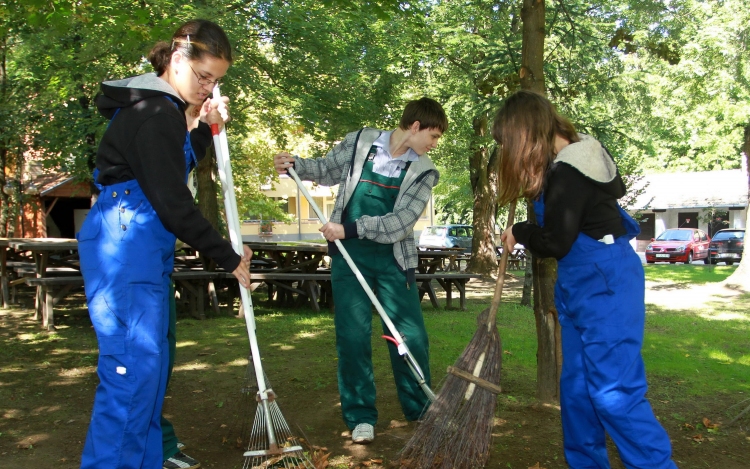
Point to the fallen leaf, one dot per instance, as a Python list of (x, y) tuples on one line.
[(223, 425), (198, 391), (398, 424), (377, 461), (688, 426), (507, 352), (698, 438), (707, 423), (536, 466)]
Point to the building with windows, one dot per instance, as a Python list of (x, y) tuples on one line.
[(305, 224), (709, 200)]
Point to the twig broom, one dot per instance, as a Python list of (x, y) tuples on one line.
[(456, 430), (272, 444)]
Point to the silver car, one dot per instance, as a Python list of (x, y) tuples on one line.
[(446, 236)]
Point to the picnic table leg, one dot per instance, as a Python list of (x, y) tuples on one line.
[(4, 276), (48, 315), (41, 268), (446, 284), (461, 286), (214, 297), (427, 284)]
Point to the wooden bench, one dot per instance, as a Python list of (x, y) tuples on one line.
[(446, 280), (54, 289), (309, 286)]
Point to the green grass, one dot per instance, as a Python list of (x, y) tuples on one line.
[(692, 273)]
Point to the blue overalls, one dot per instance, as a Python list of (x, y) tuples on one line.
[(599, 297), (127, 257)]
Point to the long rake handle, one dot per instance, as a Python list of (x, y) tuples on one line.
[(401, 345), (492, 316), (221, 147)]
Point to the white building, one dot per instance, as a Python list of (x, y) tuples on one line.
[(709, 201)]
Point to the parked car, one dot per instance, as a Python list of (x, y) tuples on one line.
[(726, 246), (679, 245), (446, 236)]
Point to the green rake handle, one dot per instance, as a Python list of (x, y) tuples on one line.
[(397, 339)]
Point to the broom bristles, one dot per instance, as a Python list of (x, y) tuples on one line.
[(456, 433)]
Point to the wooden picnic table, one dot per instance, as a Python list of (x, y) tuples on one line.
[(47, 253), (304, 259)]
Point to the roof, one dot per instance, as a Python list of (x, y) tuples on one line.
[(60, 185), (726, 188)]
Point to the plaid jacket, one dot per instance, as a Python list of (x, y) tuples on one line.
[(343, 166)]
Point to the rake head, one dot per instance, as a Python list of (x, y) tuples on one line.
[(271, 444)]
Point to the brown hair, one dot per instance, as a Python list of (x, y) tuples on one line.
[(525, 127), (194, 39), (428, 112)]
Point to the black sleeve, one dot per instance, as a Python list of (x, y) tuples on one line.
[(566, 197), (201, 139), (159, 168)]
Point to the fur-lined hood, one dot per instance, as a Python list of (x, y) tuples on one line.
[(592, 160)]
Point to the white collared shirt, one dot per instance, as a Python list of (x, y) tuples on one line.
[(384, 163)]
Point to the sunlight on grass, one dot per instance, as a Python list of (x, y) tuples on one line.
[(719, 356), (725, 316), (192, 367), (238, 362), (692, 273), (186, 343)]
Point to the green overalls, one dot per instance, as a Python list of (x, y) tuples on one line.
[(375, 195)]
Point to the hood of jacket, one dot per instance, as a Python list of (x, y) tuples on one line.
[(592, 160), (117, 94)]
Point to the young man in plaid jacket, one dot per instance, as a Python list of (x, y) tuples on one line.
[(385, 182)]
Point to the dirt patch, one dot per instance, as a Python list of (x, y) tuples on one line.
[(47, 384)]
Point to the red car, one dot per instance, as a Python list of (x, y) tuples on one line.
[(679, 245)]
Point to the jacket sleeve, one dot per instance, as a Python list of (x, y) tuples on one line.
[(329, 169), (565, 201), (397, 225), (201, 139), (158, 163)]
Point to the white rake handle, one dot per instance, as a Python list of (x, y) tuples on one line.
[(400, 344), (221, 147)]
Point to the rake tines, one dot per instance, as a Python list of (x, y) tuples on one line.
[(271, 443)]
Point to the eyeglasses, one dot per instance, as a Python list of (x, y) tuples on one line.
[(202, 80)]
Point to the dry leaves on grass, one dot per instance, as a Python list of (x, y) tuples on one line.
[(536, 466)]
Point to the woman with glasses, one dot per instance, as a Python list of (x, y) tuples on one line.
[(127, 242)]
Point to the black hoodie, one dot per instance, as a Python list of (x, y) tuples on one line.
[(145, 142), (580, 196)]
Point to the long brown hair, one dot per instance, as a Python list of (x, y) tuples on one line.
[(525, 128), (194, 39)]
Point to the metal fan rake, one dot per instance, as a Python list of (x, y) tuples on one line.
[(271, 444)]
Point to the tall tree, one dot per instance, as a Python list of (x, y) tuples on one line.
[(549, 348)]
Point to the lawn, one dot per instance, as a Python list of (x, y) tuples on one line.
[(698, 363)]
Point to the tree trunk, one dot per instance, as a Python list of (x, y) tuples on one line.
[(528, 277), (741, 276), (528, 280), (208, 202), (483, 174), (549, 349), (4, 199)]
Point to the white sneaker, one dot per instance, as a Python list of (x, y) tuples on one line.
[(363, 433)]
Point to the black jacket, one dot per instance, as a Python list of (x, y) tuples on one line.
[(145, 142), (580, 196)]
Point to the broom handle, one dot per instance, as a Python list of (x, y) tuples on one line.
[(221, 147), (491, 318), (400, 344)]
